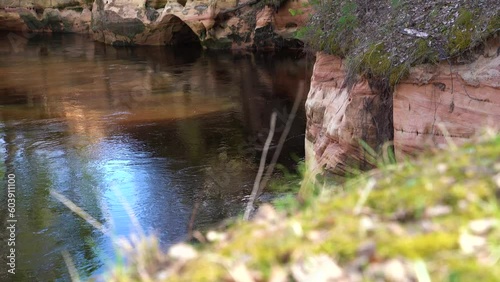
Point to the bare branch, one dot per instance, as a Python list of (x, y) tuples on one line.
[(283, 138), (262, 165)]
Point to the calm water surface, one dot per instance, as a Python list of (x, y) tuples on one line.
[(161, 128)]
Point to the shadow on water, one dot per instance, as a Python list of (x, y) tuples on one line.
[(165, 127)]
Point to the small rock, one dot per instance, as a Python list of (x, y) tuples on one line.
[(366, 249), (441, 168), (213, 236), (278, 274), (317, 268), (182, 252), (482, 226), (396, 229), (395, 270), (471, 243), (266, 213), (428, 226), (436, 211), (240, 273), (462, 204), (316, 236), (367, 224), (496, 178), (297, 229)]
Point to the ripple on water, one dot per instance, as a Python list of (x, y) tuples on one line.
[(166, 128)]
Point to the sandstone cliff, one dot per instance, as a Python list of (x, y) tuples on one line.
[(228, 24), (434, 105), (415, 74), (447, 102)]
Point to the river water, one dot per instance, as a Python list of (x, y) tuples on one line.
[(157, 129)]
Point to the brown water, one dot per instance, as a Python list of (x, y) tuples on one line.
[(166, 128)]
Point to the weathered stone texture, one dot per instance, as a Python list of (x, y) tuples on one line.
[(433, 106), (447, 103)]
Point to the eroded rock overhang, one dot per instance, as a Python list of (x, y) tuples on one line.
[(214, 24)]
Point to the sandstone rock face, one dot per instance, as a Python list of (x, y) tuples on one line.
[(10, 20), (337, 118), (216, 24), (51, 20), (433, 106), (285, 24), (219, 24), (440, 104), (30, 4)]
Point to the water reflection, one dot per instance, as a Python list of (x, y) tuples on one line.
[(167, 128)]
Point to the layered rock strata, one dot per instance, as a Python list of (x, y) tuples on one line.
[(448, 102), (435, 105), (339, 117)]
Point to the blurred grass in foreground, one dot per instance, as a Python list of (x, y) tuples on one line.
[(433, 218)]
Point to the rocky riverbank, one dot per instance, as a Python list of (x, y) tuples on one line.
[(231, 24)]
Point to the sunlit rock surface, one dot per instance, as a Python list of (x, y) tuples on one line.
[(215, 24), (223, 24), (447, 103), (337, 118)]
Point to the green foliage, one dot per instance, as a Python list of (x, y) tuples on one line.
[(348, 18), (301, 32), (295, 12), (396, 3), (287, 203), (494, 24), (376, 60), (461, 34), (423, 53)]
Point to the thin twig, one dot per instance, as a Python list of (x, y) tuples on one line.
[(470, 97), (76, 209), (447, 136), (283, 138), (421, 271), (364, 196), (73, 273), (193, 217), (256, 183)]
